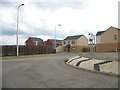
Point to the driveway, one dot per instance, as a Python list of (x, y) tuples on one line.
[(51, 72)]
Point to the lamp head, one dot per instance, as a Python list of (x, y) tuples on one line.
[(22, 4), (59, 24)]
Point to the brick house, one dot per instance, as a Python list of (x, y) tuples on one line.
[(32, 41), (51, 42), (107, 41), (78, 43)]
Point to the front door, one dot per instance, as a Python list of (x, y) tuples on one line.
[(68, 49)]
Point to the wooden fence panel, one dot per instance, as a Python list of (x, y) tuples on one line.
[(26, 50)]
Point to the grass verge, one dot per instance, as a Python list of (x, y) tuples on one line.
[(24, 56)]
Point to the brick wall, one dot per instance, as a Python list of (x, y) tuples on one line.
[(29, 42), (107, 47), (48, 43)]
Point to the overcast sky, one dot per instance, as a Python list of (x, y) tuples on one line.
[(39, 18)]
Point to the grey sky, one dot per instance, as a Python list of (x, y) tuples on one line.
[(38, 18)]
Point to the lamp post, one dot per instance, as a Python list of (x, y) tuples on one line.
[(55, 34), (17, 27)]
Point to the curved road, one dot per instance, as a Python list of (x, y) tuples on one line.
[(51, 72)]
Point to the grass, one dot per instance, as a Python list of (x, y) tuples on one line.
[(24, 56)]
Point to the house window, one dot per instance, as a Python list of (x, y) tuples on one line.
[(64, 43), (36, 43), (115, 37), (73, 42), (68, 42)]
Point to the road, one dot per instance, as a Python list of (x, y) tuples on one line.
[(51, 72)]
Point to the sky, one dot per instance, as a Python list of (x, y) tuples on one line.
[(40, 18)]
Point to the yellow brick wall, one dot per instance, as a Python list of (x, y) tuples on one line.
[(107, 47)]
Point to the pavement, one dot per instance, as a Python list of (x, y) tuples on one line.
[(50, 71), (105, 63)]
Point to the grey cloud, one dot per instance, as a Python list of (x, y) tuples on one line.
[(10, 30), (42, 31), (41, 4), (48, 4), (12, 5), (60, 34), (54, 5)]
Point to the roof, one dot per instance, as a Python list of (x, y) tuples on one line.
[(73, 37), (99, 33), (36, 39), (115, 28), (53, 40)]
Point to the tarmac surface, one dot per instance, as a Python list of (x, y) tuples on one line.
[(51, 72)]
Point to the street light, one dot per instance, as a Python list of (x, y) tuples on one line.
[(55, 34), (17, 27)]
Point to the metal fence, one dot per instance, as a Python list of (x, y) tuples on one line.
[(26, 50)]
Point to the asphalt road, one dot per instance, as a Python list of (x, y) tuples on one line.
[(51, 72)]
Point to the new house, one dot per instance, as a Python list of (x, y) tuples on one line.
[(33, 41), (77, 43), (51, 42), (108, 40)]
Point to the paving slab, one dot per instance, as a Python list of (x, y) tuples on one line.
[(74, 62), (89, 64), (111, 67), (104, 66), (73, 58)]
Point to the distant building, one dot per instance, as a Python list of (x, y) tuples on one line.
[(108, 41), (78, 43), (32, 41), (51, 42)]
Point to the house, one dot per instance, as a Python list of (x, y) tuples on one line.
[(32, 41), (77, 43), (51, 42), (107, 41)]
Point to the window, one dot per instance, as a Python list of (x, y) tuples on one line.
[(68, 42), (73, 42), (115, 37), (36, 43), (64, 43)]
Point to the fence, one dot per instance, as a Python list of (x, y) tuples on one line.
[(26, 50)]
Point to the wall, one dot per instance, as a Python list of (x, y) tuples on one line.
[(29, 42), (108, 43), (98, 39), (48, 43), (70, 42), (59, 49), (83, 49), (108, 36), (82, 41), (107, 47)]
